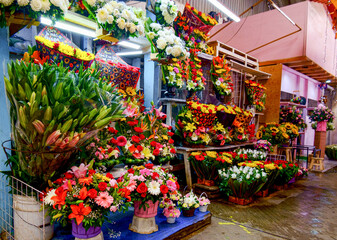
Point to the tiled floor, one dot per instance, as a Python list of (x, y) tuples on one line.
[(307, 210)]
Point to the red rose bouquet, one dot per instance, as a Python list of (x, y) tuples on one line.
[(86, 197)]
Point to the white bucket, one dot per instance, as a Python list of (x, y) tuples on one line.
[(203, 208), (171, 219), (28, 219)]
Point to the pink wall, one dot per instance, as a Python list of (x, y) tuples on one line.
[(316, 40)]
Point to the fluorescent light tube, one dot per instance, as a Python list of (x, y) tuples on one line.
[(129, 44), (225, 10), (129, 53), (69, 27), (285, 15), (328, 81)]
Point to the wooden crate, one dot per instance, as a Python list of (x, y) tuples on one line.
[(230, 53)]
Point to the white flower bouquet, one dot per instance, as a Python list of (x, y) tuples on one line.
[(254, 155), (120, 20), (166, 11), (166, 43), (53, 9), (189, 201), (242, 182)]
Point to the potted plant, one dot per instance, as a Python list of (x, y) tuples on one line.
[(188, 203), (292, 115), (274, 133), (242, 183), (263, 145), (85, 197), (204, 202), (171, 213), (147, 186), (322, 115), (287, 172)]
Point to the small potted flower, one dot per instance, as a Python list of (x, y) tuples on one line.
[(171, 213), (188, 204), (204, 202)]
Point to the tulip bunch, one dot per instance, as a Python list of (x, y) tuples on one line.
[(53, 111)]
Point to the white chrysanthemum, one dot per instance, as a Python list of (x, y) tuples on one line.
[(109, 8), (126, 14), (154, 188), (91, 2), (110, 19), (121, 23), (23, 3), (45, 5), (155, 26), (102, 15), (50, 194), (6, 3), (36, 5), (161, 43), (176, 50)]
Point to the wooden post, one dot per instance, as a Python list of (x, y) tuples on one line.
[(320, 142)]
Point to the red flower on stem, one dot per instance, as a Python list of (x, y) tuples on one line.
[(78, 212)]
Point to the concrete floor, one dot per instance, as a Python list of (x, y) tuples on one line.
[(307, 210)]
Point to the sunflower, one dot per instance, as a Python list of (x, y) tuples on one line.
[(259, 135), (240, 130), (288, 126), (295, 131), (283, 130), (274, 129), (286, 136)]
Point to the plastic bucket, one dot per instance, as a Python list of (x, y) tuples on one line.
[(203, 208), (29, 222), (171, 219)]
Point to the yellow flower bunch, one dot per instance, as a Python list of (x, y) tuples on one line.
[(219, 127), (201, 34), (204, 108), (195, 154), (227, 157), (270, 166), (66, 49), (227, 109), (212, 154)]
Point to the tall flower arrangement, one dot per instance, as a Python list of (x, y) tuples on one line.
[(221, 77), (195, 78), (292, 115), (52, 9), (50, 113), (321, 114), (86, 197), (120, 20), (256, 94), (172, 76), (273, 133)]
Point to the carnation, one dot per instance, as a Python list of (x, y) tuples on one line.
[(154, 188), (161, 43), (121, 23), (102, 15), (7, 3), (23, 3), (45, 5), (36, 5)]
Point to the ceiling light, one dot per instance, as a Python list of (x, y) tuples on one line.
[(129, 44), (129, 53), (285, 15), (69, 27), (328, 81), (225, 10)]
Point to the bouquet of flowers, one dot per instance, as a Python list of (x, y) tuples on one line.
[(85, 197), (171, 212), (205, 114), (50, 119), (287, 172), (203, 201), (220, 135), (54, 10), (297, 100), (221, 76), (149, 184), (254, 155), (242, 182), (172, 75), (206, 165), (321, 114), (166, 11), (165, 42), (290, 129), (189, 201), (240, 134), (195, 79), (292, 115), (256, 94), (120, 20), (273, 133), (263, 145)]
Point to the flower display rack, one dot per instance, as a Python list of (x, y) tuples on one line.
[(221, 49)]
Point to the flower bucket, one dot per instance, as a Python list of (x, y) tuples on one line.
[(149, 212), (206, 182), (203, 208), (321, 126), (79, 231), (29, 220), (263, 193), (240, 201), (189, 213), (292, 180), (171, 219)]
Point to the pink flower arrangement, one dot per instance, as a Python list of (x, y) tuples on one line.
[(171, 212), (203, 201)]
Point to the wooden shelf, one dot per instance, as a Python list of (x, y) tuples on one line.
[(187, 149), (292, 104), (172, 100), (259, 113), (311, 108), (205, 56), (240, 67)]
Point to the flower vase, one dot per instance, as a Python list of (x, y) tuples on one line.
[(79, 232), (189, 212), (171, 219), (144, 221), (203, 208), (321, 126)]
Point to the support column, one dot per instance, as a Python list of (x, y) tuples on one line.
[(151, 87)]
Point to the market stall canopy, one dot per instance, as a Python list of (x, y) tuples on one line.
[(310, 51)]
